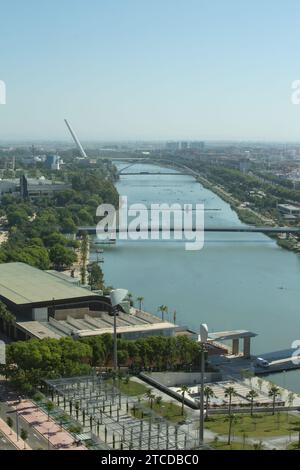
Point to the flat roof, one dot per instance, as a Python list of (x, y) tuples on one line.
[(232, 334), (289, 207), (23, 284), (48, 330), (38, 330)]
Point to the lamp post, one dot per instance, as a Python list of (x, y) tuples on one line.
[(203, 340), (116, 297)]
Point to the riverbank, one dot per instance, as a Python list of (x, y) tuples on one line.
[(249, 216)]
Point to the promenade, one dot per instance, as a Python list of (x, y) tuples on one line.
[(57, 437), (11, 436)]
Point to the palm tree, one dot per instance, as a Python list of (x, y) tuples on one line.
[(9, 423), (130, 298), (258, 445), (230, 392), (208, 393), (274, 392), (251, 395), (163, 309), (232, 419), (24, 436), (77, 406), (140, 301), (158, 401), (150, 396), (49, 407), (291, 397), (183, 390), (260, 383)]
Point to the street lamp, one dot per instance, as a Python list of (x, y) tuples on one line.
[(203, 341), (116, 297)]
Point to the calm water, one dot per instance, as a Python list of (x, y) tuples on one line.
[(237, 281)]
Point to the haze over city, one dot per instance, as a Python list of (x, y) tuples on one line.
[(150, 70)]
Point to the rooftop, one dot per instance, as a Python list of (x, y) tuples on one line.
[(23, 284), (233, 334)]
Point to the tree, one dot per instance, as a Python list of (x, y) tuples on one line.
[(251, 395), (130, 298), (260, 383), (62, 257), (49, 407), (258, 445), (158, 401), (163, 309), (229, 393), (274, 392), (150, 396), (231, 420), (7, 318), (9, 423), (24, 436), (183, 390), (208, 393), (140, 300), (96, 277), (77, 406)]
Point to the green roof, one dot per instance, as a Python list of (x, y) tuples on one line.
[(23, 284)]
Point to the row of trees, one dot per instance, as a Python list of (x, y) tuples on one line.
[(30, 361)]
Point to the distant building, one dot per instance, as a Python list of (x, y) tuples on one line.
[(53, 162), (197, 145), (31, 187), (184, 145), (289, 209), (173, 146)]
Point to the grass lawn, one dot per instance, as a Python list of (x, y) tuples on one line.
[(131, 388), (167, 410), (222, 445), (293, 446), (260, 425)]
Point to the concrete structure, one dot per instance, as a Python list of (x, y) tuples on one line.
[(31, 187), (53, 162), (47, 304), (235, 337), (289, 209)]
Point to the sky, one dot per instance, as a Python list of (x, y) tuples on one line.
[(150, 70)]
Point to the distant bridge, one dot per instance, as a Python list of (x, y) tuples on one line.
[(147, 173), (243, 229)]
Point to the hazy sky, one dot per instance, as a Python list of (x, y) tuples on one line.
[(150, 69)]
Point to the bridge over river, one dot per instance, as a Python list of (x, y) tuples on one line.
[(246, 229)]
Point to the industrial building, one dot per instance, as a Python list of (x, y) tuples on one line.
[(49, 304), (31, 187)]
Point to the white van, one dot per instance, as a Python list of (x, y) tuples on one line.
[(260, 362)]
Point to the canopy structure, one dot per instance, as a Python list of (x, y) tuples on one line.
[(235, 336)]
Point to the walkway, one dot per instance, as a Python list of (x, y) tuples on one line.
[(52, 432), (19, 444)]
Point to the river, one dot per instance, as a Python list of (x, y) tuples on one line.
[(237, 281)]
